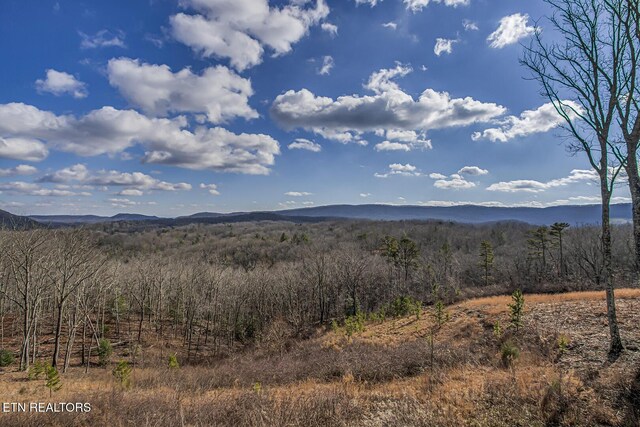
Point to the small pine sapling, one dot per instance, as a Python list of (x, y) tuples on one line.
[(516, 309), (53, 382), (36, 370), (173, 361), (122, 373)]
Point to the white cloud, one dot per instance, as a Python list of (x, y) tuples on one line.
[(298, 194), (31, 189), (305, 144), (532, 186), (418, 5), (444, 46), (122, 203), (454, 182), (131, 192), (240, 29), (19, 170), (403, 140), (512, 29), (329, 28), (369, 2), (437, 176), (391, 146), (211, 188), (218, 92), (543, 119), (391, 25), (470, 25), (473, 170), (400, 169), (327, 66), (103, 38), (365, 195), (28, 149), (111, 131), (519, 185), (80, 174), (344, 119), (60, 83)]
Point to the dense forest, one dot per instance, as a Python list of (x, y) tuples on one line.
[(213, 290)]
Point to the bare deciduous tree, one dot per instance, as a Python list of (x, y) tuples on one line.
[(580, 75)]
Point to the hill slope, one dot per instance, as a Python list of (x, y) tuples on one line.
[(9, 220), (387, 375)]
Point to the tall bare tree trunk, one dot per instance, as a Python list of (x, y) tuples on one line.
[(615, 346)]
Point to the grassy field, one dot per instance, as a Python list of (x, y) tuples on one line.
[(389, 374)]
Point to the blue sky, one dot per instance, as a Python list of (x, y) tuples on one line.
[(172, 107)]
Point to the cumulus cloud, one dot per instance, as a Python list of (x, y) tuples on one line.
[(391, 146), (28, 149), (19, 170), (453, 182), (436, 175), (217, 91), (61, 83), (103, 38), (131, 192), (80, 174), (418, 5), (543, 119), (473, 170), (470, 25), (369, 2), (111, 131), (365, 195), (399, 169), (240, 29), (305, 144), (298, 194), (32, 189), (533, 186), (444, 46), (329, 28), (327, 66), (211, 188), (345, 118), (511, 29), (391, 25)]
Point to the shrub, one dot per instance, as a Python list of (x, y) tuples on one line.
[(104, 352), (173, 362), (36, 370), (6, 358), (334, 326), (509, 354), (122, 373), (404, 306), (440, 315), (497, 329), (516, 309), (563, 344), (354, 324)]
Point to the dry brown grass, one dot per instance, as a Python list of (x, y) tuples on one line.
[(383, 377)]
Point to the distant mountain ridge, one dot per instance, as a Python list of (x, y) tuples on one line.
[(89, 219), (9, 220), (473, 214), (574, 214)]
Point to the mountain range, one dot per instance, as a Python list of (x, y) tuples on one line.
[(573, 214)]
